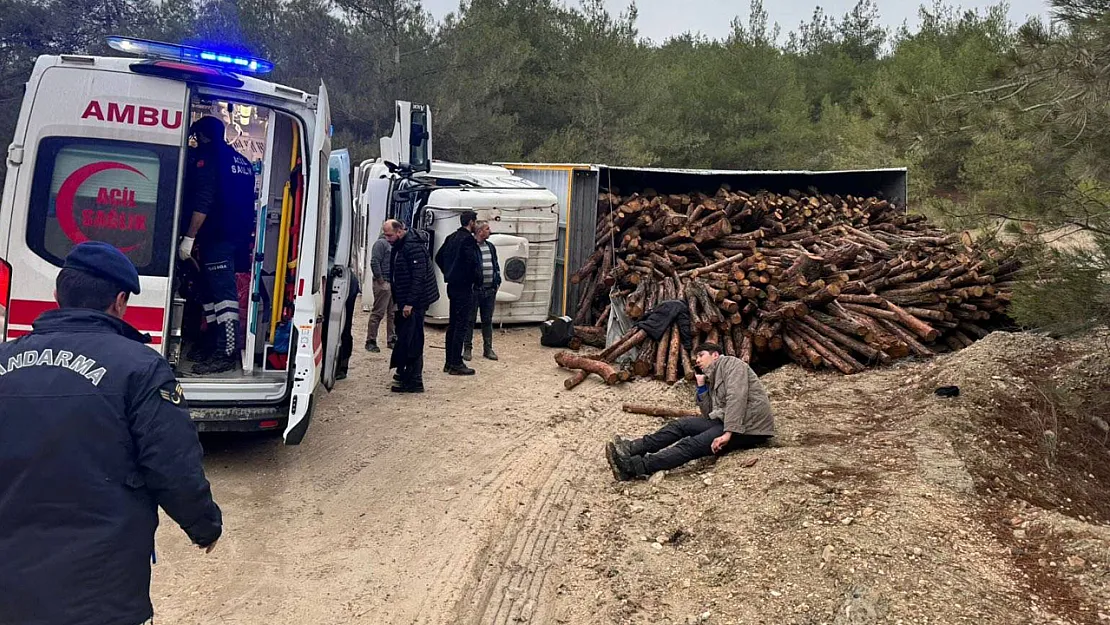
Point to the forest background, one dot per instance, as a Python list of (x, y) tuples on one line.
[(1004, 127)]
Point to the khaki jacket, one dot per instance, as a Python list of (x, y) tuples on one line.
[(736, 397)]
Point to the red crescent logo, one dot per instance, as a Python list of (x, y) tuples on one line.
[(68, 193)]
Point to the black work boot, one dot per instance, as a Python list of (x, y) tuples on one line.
[(460, 370), (488, 353), (219, 364), (204, 349), (628, 447), (468, 353), (372, 346), (624, 468)]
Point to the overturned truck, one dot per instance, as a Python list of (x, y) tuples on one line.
[(823, 268)]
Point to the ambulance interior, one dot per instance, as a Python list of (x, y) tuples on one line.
[(274, 143)]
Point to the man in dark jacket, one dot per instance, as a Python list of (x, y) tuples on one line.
[(95, 436), (219, 192), (485, 294), (414, 289), (459, 260)]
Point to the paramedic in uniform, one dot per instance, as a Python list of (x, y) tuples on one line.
[(94, 438), (220, 193)]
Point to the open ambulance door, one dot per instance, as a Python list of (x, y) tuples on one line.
[(306, 342), (339, 257)]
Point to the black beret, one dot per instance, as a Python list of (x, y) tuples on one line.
[(106, 261)]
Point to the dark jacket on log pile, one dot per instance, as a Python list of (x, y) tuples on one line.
[(659, 319), (736, 396)]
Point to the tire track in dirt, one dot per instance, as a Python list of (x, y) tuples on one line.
[(506, 572), (511, 576)]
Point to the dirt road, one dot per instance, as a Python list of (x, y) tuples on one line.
[(486, 500), (436, 508)]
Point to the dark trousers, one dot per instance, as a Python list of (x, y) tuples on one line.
[(408, 353), (462, 318), (346, 341), (683, 440), (221, 297), (484, 300)]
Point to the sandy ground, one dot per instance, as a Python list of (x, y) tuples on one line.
[(487, 500)]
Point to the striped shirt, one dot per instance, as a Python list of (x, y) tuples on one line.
[(487, 263)]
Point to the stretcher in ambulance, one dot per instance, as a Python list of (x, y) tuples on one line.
[(101, 152)]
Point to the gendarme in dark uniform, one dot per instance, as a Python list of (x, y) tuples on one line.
[(95, 436)]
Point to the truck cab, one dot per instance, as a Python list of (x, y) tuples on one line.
[(428, 196), (102, 151)]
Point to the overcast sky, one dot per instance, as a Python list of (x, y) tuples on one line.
[(660, 19)]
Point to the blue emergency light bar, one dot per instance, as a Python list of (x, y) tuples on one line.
[(190, 54)]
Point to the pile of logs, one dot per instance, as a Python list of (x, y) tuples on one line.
[(831, 281)]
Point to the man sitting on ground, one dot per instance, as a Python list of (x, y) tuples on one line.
[(736, 414)]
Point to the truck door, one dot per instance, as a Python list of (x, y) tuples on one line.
[(305, 363), (339, 255), (410, 145)]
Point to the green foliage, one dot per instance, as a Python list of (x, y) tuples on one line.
[(1065, 290), (998, 125)]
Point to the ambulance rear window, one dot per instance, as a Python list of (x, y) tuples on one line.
[(118, 192)]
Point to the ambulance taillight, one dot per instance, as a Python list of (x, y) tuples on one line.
[(5, 296)]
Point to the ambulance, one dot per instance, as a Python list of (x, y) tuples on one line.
[(101, 152)]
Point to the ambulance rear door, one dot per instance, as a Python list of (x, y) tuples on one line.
[(339, 256), (306, 345), (100, 160)]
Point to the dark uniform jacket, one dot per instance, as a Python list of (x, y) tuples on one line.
[(460, 260), (94, 437), (414, 282), (221, 186)]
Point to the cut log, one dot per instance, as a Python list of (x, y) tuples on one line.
[(575, 379), (829, 351), (673, 357), (687, 365), (659, 370), (645, 360), (590, 335), (906, 337), (665, 412), (861, 348), (918, 326), (568, 360), (634, 337)]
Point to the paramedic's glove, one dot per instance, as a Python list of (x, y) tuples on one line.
[(185, 251)]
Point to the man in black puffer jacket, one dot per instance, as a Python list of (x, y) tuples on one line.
[(414, 290), (460, 261)]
